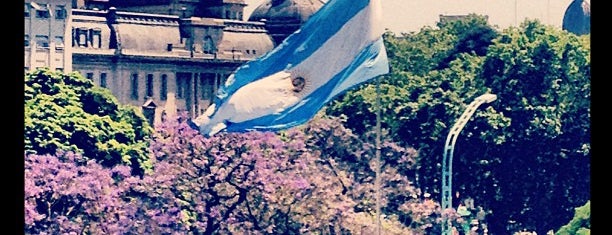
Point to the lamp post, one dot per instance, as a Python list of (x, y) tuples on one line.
[(447, 158)]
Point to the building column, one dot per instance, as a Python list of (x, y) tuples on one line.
[(68, 42), (196, 93), (50, 41), (191, 95), (32, 54)]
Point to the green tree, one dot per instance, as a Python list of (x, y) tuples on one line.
[(542, 78), (424, 93), (473, 34), (66, 112), (524, 157), (580, 224)]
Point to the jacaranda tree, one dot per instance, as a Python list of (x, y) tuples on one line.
[(67, 194), (315, 179)]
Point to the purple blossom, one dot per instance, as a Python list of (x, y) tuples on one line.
[(307, 179)]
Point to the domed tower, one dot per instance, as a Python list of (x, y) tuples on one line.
[(577, 18), (283, 17)]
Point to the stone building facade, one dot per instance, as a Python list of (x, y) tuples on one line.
[(166, 56), (46, 27), (164, 63)]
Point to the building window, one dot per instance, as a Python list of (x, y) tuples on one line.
[(26, 40), (208, 46), (134, 87), (83, 40), (60, 12), (95, 37), (42, 14), (80, 37), (208, 85), (89, 76), (179, 87), (182, 85), (42, 41), (203, 86), (163, 90), (59, 42), (150, 85), (26, 10), (103, 80), (42, 10)]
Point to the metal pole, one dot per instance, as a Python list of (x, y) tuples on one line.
[(447, 158), (515, 12), (548, 12), (378, 163)]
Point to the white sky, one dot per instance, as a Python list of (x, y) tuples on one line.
[(412, 15)]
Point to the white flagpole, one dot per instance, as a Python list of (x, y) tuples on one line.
[(515, 12), (378, 162)]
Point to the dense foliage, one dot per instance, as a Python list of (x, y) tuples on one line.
[(525, 158), (580, 224), (93, 166), (66, 112), (318, 179), (65, 194)]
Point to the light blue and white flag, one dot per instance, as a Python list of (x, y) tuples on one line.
[(337, 48)]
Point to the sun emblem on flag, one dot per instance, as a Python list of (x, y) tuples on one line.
[(299, 80)]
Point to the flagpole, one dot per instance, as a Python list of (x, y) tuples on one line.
[(378, 162)]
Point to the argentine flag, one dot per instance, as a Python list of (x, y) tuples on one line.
[(337, 48)]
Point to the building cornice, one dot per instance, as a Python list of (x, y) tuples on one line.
[(152, 59)]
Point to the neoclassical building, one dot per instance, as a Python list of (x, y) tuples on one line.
[(46, 27), (165, 56)]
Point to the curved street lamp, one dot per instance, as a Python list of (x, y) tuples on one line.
[(447, 159)]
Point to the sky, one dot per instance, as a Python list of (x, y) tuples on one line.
[(412, 15)]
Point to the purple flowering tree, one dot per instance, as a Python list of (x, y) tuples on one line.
[(318, 178), (315, 179), (64, 194)]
